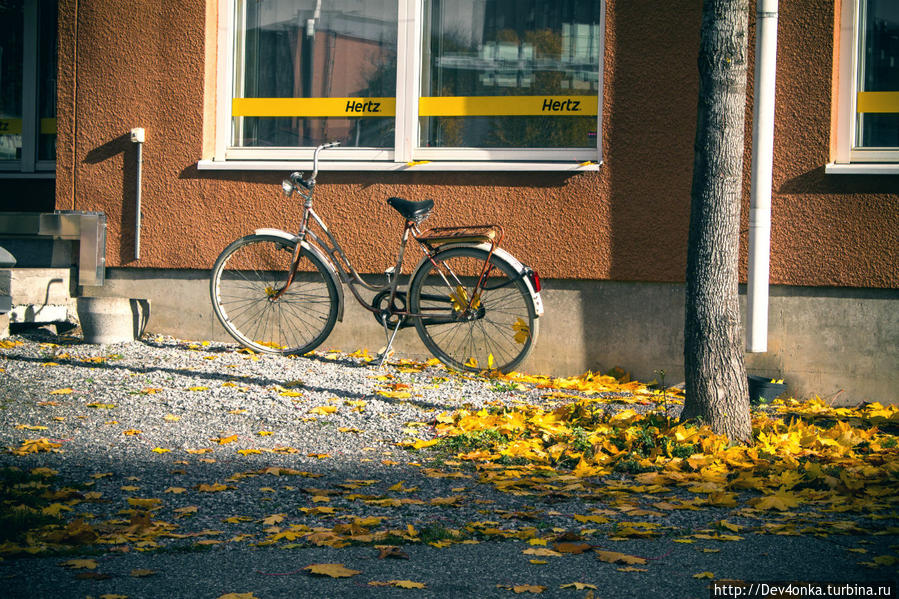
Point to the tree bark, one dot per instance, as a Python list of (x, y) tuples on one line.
[(716, 387)]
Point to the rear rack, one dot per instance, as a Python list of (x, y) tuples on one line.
[(433, 238)]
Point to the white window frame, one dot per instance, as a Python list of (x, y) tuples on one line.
[(29, 167), (405, 153), (848, 158)]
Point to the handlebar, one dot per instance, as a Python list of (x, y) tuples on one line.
[(296, 178)]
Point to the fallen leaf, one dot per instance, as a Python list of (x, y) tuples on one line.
[(80, 564), (614, 557), (704, 575), (142, 573), (578, 586), (332, 570), (406, 584), (221, 440)]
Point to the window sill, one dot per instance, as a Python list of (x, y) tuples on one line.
[(861, 168), (416, 167)]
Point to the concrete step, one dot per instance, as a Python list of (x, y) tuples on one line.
[(39, 294)]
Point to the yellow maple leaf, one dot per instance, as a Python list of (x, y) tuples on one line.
[(406, 584), (615, 557), (332, 570), (198, 388), (704, 575), (323, 410), (274, 519), (65, 391), (160, 450), (221, 440), (132, 432), (213, 488), (142, 572), (175, 490), (781, 501), (80, 564)]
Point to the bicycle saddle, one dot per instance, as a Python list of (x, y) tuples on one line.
[(416, 211)]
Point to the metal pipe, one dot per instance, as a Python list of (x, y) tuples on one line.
[(762, 160), (137, 137)]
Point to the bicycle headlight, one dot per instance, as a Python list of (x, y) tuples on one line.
[(287, 187)]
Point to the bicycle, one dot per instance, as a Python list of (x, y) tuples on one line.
[(473, 304)]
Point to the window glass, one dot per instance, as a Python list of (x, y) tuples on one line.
[(312, 71), (489, 67), (11, 38), (878, 77), (47, 53)]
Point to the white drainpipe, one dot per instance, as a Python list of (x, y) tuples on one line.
[(762, 158)]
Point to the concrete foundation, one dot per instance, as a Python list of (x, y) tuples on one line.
[(841, 344)]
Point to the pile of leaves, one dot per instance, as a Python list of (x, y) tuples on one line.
[(802, 452)]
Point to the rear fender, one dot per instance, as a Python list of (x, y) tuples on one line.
[(506, 257), (332, 272)]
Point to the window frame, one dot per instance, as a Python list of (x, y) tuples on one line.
[(29, 166), (849, 158), (405, 153)]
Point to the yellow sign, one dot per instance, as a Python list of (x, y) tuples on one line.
[(427, 106), (14, 126), (314, 107), (883, 102), (508, 106), (10, 126)]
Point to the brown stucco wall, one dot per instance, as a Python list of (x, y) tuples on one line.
[(149, 64)]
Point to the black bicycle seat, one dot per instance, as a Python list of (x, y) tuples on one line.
[(416, 211)]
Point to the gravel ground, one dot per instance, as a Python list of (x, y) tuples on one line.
[(312, 443)]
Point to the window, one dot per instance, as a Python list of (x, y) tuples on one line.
[(868, 123), (435, 83), (28, 53)]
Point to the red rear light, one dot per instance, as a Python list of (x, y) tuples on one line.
[(535, 281)]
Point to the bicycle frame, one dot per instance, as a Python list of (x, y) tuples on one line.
[(348, 274)]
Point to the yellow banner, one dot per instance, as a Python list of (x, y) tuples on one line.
[(427, 106), (508, 106), (48, 126), (10, 126), (314, 107), (883, 102), (14, 126)]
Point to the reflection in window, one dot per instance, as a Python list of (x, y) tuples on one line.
[(314, 49), (12, 18), (47, 53), (878, 72), (477, 48)]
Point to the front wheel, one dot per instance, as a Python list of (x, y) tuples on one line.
[(493, 328), (245, 286)]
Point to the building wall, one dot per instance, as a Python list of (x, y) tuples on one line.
[(152, 65), (144, 64)]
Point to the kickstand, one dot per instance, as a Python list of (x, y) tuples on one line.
[(390, 337)]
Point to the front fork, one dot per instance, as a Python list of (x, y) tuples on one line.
[(297, 251)]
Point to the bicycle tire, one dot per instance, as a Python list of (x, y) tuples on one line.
[(504, 327), (245, 278)]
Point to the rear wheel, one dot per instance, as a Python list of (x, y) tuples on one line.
[(493, 329), (246, 279)]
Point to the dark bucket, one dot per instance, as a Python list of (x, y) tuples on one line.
[(762, 390)]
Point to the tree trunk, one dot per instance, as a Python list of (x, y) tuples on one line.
[(716, 388)]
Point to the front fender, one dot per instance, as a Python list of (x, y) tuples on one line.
[(313, 249)]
